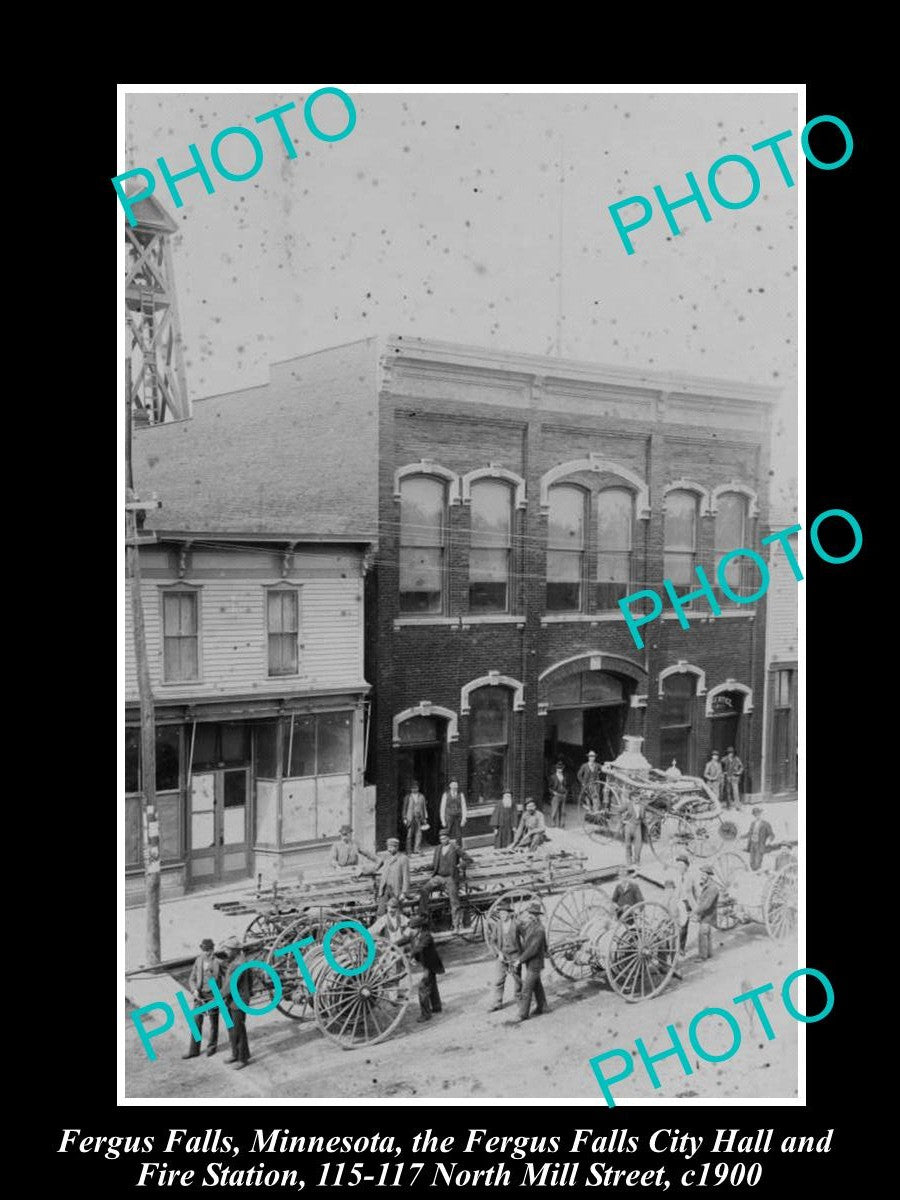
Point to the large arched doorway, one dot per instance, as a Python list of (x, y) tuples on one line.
[(420, 754), (586, 710)]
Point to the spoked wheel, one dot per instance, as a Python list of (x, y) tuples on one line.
[(520, 898), (295, 998), (726, 868), (363, 1009), (573, 925), (642, 951), (596, 824), (670, 835), (780, 903), (265, 927), (471, 923)]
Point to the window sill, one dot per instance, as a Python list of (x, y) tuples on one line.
[(402, 622), (708, 616), (494, 619), (591, 618), (479, 810)]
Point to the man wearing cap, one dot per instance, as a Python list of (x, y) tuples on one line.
[(445, 866), (559, 795), (453, 811), (393, 878), (684, 892), (712, 773), (633, 828), (626, 893), (415, 817), (392, 924), (206, 966), (233, 952), (706, 910), (531, 957), (532, 829), (508, 939), (759, 835), (424, 952), (346, 850), (732, 770), (589, 779)]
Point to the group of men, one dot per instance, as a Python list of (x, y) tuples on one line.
[(220, 963), (723, 776)]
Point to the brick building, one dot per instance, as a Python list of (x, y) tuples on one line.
[(781, 707), (515, 498)]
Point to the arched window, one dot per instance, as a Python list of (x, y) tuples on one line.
[(491, 541), (731, 533), (423, 535), (676, 721), (615, 522), (488, 743), (680, 552), (565, 548)]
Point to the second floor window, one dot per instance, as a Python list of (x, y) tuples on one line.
[(283, 618), (423, 528), (181, 651), (565, 548), (490, 544), (731, 533), (680, 551), (615, 521)]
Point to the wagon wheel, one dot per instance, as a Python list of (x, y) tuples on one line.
[(670, 835), (705, 837), (642, 951), (266, 926), (363, 1009), (780, 903), (520, 898), (726, 867), (471, 922), (568, 942), (595, 824), (295, 998)]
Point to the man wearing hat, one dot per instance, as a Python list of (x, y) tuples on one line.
[(531, 957), (424, 952), (233, 951), (626, 893), (589, 779), (759, 835), (684, 892), (532, 829), (508, 939), (445, 866), (706, 910), (712, 773), (454, 813), (346, 850), (393, 925), (393, 878), (559, 795), (206, 966), (732, 770), (634, 828), (415, 817)]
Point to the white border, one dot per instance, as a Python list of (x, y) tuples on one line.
[(798, 89)]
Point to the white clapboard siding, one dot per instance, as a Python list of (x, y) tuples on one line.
[(233, 642)]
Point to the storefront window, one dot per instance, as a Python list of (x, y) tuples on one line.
[(333, 744), (300, 748), (266, 749), (168, 794), (132, 760)]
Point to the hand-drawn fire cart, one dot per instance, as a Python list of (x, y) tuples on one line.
[(767, 896), (366, 1008)]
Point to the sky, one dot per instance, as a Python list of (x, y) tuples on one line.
[(484, 219)]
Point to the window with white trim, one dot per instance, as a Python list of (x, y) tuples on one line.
[(731, 534), (565, 548), (181, 638), (680, 552), (490, 546), (423, 536), (615, 524), (283, 626)]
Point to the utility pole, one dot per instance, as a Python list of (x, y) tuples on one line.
[(149, 815)]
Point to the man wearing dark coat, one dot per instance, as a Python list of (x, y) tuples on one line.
[(590, 782), (626, 892), (234, 953), (559, 795), (424, 951), (445, 866), (706, 910), (759, 835), (531, 957), (206, 966), (503, 820)]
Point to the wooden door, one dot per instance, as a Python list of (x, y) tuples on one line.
[(218, 824)]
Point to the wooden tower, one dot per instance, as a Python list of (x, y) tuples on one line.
[(158, 381)]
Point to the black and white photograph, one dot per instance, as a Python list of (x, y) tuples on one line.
[(460, 660)]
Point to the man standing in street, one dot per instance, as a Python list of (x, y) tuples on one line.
[(453, 811), (424, 952), (234, 953), (415, 818), (759, 835), (346, 850), (508, 938), (589, 781), (626, 893), (393, 878), (559, 795), (732, 770), (633, 828), (706, 910), (444, 876), (206, 966), (712, 774), (393, 925), (531, 957)]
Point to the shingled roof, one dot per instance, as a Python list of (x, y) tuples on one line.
[(296, 457)]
